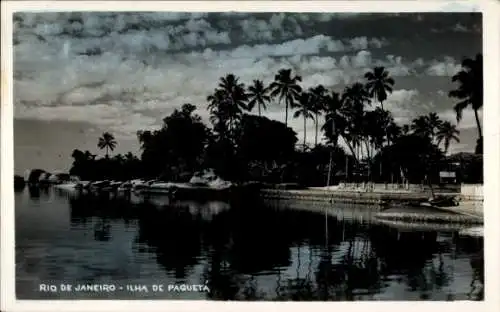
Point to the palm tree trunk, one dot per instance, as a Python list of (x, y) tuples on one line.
[(316, 135), (385, 132), (259, 109), (305, 133), (369, 160), (349, 145), (329, 168), (107, 154), (380, 167), (479, 131), (346, 168)]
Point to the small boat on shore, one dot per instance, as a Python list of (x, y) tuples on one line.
[(100, 186), (438, 201), (472, 232), (444, 201), (72, 186), (138, 186), (125, 187)]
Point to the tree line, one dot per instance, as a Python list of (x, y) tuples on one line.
[(241, 145)]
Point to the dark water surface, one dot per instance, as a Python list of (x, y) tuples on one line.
[(240, 251)]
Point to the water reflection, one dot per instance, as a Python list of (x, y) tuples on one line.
[(244, 251)]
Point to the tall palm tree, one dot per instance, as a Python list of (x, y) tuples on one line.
[(229, 99), (318, 94), (446, 133), (234, 91), (304, 110), (379, 84), (470, 89), (219, 109), (107, 141), (393, 132), (286, 87), (356, 95), (223, 112), (405, 129), (258, 95), (334, 125), (434, 124), (333, 117), (354, 99), (420, 126)]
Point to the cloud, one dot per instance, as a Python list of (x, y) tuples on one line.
[(110, 117), (124, 72), (468, 120), (61, 85), (403, 104), (446, 68), (442, 93)]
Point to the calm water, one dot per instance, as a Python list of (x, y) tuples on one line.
[(241, 251)]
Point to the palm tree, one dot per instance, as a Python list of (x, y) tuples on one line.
[(470, 89), (420, 126), (219, 110), (228, 100), (334, 125), (379, 84), (304, 110), (107, 141), (354, 99), (447, 132), (234, 91), (333, 117), (258, 95), (427, 126), (434, 124), (356, 96), (376, 124), (393, 132), (285, 86), (405, 129), (317, 104)]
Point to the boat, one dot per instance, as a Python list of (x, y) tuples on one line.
[(125, 187), (70, 186), (140, 186), (100, 186), (83, 185), (472, 231), (443, 201)]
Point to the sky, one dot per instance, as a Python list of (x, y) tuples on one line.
[(77, 74)]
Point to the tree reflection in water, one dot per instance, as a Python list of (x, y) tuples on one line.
[(474, 248), (236, 246), (174, 235), (34, 192), (102, 230)]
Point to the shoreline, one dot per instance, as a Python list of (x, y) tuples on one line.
[(382, 202), (345, 196)]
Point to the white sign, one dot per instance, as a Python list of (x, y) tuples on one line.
[(447, 174)]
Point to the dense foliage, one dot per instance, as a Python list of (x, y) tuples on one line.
[(240, 146)]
